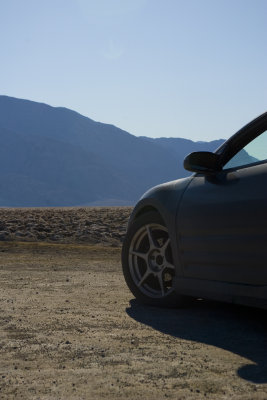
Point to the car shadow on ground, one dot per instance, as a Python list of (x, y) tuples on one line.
[(241, 330)]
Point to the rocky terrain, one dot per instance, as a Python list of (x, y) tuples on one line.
[(91, 225), (71, 329)]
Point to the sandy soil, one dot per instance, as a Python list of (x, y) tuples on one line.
[(70, 329)]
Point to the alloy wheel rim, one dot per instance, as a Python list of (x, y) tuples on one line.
[(151, 262)]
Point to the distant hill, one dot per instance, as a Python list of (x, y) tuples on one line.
[(53, 156)]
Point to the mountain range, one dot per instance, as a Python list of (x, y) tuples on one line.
[(53, 156)]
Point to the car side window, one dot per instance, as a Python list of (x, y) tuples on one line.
[(253, 152)]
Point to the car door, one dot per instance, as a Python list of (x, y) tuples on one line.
[(222, 220)]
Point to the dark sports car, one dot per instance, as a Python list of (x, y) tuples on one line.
[(205, 236)]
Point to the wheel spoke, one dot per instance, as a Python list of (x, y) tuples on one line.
[(168, 265), (161, 284), (166, 244), (138, 254), (152, 242), (144, 277)]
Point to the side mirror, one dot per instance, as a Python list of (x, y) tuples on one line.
[(202, 162)]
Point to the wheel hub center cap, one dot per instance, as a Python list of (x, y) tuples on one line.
[(156, 261), (159, 260)]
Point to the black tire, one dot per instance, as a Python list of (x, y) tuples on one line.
[(147, 262)]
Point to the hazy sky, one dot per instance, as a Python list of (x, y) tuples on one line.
[(181, 68)]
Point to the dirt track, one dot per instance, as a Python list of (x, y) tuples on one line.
[(70, 329)]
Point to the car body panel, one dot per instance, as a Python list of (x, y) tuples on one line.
[(222, 227), (249, 295)]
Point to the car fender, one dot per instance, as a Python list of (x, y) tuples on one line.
[(164, 199)]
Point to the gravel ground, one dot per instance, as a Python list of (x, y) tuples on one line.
[(70, 329)]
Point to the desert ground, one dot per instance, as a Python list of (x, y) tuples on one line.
[(71, 329)]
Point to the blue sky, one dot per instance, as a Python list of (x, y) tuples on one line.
[(179, 68)]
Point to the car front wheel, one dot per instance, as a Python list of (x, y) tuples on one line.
[(147, 262)]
